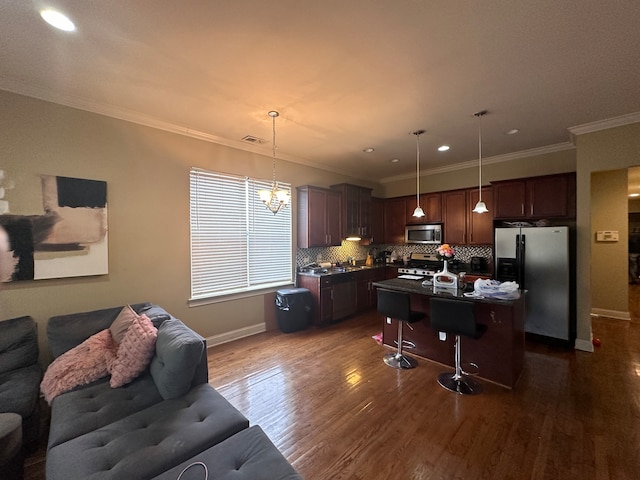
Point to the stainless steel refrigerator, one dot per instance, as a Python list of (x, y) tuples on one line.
[(538, 258)]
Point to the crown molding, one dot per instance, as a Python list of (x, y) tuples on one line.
[(80, 103), (507, 157), (605, 124)]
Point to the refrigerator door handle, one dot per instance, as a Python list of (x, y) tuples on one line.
[(521, 263)]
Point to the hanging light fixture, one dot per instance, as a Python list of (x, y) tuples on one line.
[(274, 199), (480, 207), (418, 212)]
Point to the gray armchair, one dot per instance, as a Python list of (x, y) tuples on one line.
[(20, 375)]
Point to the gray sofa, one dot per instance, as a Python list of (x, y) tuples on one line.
[(162, 419), (20, 375)]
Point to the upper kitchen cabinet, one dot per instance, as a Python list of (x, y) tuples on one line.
[(377, 220), (431, 203), (394, 220), (455, 217), (356, 210), (549, 196), (479, 225), (319, 217), (461, 225)]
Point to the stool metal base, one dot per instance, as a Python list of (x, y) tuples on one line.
[(462, 384), (397, 360)]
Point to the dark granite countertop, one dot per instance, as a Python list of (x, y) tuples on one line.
[(342, 270), (415, 286)]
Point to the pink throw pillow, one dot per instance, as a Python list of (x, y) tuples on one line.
[(122, 323), (134, 352), (82, 364)]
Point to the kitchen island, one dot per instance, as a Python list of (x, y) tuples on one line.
[(499, 353)]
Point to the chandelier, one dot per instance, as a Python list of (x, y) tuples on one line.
[(274, 199), (480, 207), (418, 212)]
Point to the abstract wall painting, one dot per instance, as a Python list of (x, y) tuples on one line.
[(69, 239)]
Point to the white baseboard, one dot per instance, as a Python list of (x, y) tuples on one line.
[(601, 312), (235, 334), (584, 345)]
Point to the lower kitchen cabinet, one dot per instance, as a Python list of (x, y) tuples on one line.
[(334, 296), (366, 296), (341, 295)]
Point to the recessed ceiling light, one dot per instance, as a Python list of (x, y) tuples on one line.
[(443, 148), (57, 20), (368, 150), (395, 160), (634, 194), (513, 131)]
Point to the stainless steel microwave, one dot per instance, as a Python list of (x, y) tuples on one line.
[(423, 234)]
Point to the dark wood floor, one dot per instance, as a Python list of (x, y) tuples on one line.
[(336, 411)]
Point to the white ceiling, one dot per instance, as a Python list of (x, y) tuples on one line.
[(344, 74)]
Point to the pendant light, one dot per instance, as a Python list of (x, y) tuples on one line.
[(480, 207), (274, 199), (418, 212)]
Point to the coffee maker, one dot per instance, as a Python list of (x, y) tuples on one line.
[(383, 257), (479, 264)]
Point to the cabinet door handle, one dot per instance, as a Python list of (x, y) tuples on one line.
[(532, 209), (522, 208)]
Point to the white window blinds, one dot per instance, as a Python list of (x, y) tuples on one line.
[(237, 244)]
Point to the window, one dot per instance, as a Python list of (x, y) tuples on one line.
[(237, 245)]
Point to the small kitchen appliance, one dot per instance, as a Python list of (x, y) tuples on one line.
[(424, 234)]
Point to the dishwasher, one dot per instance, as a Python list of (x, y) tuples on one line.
[(343, 294)]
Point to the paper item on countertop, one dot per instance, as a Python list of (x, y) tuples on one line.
[(495, 289), (411, 277)]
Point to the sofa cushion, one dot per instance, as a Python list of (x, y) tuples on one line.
[(150, 441), (155, 313), (247, 455), (66, 331), (82, 364), (18, 343), (134, 352), (95, 405), (178, 352), (19, 390)]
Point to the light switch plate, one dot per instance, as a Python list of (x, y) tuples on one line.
[(443, 336)]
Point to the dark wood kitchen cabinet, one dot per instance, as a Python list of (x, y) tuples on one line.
[(455, 217), (356, 210), (321, 293), (461, 225), (319, 217), (431, 204), (377, 220), (480, 225), (334, 296), (548, 196), (394, 220), (366, 295)]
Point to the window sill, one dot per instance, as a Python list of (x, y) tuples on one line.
[(226, 297)]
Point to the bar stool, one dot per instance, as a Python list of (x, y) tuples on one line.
[(397, 305), (456, 317)]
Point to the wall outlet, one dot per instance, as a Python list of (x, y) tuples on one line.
[(442, 336)]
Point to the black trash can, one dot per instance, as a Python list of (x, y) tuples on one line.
[(293, 309)]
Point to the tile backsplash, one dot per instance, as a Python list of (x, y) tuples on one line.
[(304, 256)]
